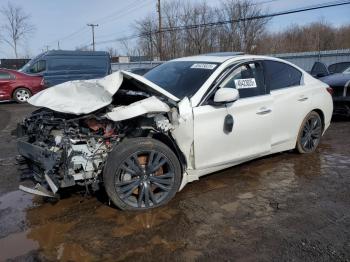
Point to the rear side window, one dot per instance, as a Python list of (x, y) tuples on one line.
[(279, 75), (74, 63), (5, 76)]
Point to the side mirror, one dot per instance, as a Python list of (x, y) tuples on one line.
[(226, 95)]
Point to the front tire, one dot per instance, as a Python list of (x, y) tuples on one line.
[(21, 95), (141, 173), (310, 133)]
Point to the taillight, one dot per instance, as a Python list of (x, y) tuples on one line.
[(330, 90), (42, 82)]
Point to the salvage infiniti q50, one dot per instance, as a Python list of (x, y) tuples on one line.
[(143, 138)]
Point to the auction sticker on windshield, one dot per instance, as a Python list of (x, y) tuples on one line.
[(245, 83), (203, 66)]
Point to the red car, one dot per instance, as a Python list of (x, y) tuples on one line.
[(18, 86)]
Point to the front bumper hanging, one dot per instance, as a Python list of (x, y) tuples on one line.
[(41, 164)]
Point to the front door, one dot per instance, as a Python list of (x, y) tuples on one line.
[(251, 133)]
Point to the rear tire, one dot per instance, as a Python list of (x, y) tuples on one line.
[(141, 173), (310, 133), (21, 95)]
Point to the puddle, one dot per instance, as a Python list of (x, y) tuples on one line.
[(131, 223), (15, 245), (13, 207)]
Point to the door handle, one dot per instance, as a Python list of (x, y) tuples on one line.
[(263, 111), (303, 98)]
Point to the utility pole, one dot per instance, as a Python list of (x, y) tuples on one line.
[(58, 45), (93, 34), (160, 44)]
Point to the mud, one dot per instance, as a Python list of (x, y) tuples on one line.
[(285, 207)]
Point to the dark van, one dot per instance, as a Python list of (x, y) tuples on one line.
[(58, 66)]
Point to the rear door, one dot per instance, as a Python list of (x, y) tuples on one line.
[(291, 100)]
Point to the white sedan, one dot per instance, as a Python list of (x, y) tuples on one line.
[(145, 137)]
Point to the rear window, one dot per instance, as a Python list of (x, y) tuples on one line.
[(71, 63), (279, 75)]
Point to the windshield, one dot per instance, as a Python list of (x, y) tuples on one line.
[(346, 71), (181, 78), (25, 68)]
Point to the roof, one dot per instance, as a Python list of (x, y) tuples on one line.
[(219, 57), (72, 52), (223, 57)]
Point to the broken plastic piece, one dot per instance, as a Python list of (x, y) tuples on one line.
[(37, 190)]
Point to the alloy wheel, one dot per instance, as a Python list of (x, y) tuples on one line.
[(312, 132), (144, 179)]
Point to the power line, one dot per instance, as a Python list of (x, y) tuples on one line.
[(194, 26), (119, 13)]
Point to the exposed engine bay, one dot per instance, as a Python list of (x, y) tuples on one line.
[(62, 149)]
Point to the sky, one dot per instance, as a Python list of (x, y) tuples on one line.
[(65, 20)]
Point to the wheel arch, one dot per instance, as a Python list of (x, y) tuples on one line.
[(171, 143), (17, 87), (321, 114)]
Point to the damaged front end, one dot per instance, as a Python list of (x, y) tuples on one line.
[(60, 150), (67, 141)]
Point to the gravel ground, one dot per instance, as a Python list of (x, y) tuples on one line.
[(285, 207)]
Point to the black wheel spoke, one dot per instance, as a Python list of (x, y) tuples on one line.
[(311, 142), (158, 165), (137, 164), (132, 165), (128, 193), (162, 181), (131, 186), (128, 170), (167, 175), (152, 196), (147, 195), (124, 183), (140, 197), (161, 186), (150, 160)]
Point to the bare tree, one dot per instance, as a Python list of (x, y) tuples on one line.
[(112, 51), (197, 38), (317, 36), (199, 35), (149, 40), (17, 26)]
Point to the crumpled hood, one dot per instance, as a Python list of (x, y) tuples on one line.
[(86, 96)]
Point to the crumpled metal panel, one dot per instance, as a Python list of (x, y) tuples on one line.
[(80, 96), (144, 106)]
